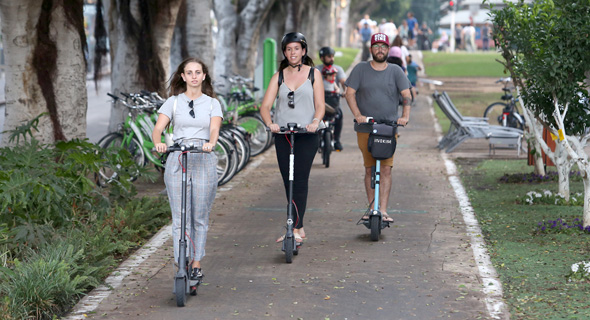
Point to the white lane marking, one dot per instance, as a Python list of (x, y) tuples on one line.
[(492, 287), (91, 301)]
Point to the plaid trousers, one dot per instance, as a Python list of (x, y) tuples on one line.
[(201, 189)]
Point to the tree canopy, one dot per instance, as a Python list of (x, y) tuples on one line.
[(545, 46)]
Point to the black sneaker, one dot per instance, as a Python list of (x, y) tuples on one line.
[(196, 274), (338, 146)]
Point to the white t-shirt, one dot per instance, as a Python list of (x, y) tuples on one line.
[(185, 126)]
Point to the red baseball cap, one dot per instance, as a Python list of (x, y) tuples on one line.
[(379, 38)]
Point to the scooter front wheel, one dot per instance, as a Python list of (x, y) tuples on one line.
[(180, 290), (288, 250), (375, 227)]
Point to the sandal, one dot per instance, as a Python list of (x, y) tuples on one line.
[(386, 218), (298, 238)]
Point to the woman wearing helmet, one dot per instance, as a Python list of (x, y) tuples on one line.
[(300, 100)]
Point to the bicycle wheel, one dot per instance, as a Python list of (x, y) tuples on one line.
[(245, 137), (243, 150), (108, 173), (375, 227), (327, 150), (180, 288), (288, 250), (260, 137), (494, 112), (232, 158), (223, 161)]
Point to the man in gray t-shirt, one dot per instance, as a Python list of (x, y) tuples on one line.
[(373, 90)]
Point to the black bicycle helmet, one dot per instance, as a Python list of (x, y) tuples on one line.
[(293, 37), (327, 51)]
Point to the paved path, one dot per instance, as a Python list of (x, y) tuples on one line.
[(422, 268)]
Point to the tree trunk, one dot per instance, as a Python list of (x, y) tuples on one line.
[(563, 165), (65, 91), (534, 130), (238, 53), (586, 215), (227, 22), (574, 147), (132, 40), (192, 34)]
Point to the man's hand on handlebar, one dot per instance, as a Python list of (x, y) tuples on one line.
[(361, 119), (403, 121)]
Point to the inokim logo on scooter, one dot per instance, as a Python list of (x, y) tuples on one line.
[(385, 141)]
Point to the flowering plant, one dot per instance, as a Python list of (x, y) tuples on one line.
[(579, 272), (561, 225), (547, 197), (535, 178)]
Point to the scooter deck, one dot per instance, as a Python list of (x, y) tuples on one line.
[(384, 224)]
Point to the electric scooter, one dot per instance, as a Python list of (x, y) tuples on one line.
[(183, 285), (375, 221), (290, 246)]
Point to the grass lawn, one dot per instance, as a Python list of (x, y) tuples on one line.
[(532, 265), (463, 64)]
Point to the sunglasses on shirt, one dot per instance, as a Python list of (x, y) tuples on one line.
[(192, 112), (291, 102)]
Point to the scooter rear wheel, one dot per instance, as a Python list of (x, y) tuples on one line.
[(375, 227)]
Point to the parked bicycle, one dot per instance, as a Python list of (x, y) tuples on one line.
[(134, 135), (242, 110), (505, 113)]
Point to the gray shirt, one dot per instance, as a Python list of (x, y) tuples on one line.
[(340, 74), (377, 92), (304, 109), (185, 127)]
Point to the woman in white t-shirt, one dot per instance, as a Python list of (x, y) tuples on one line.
[(197, 117)]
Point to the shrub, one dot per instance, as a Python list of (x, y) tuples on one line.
[(44, 284)]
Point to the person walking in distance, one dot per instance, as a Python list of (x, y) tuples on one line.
[(412, 29), (300, 100), (365, 32), (333, 76), (373, 90), (197, 117)]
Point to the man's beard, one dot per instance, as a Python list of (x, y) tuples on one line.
[(379, 60), (326, 63)]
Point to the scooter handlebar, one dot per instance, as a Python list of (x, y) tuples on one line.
[(189, 148), (291, 128), (370, 120)]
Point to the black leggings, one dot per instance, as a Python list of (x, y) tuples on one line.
[(306, 146)]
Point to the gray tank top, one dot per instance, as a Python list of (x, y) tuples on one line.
[(304, 109)]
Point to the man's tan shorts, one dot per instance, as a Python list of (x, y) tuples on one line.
[(363, 140)]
